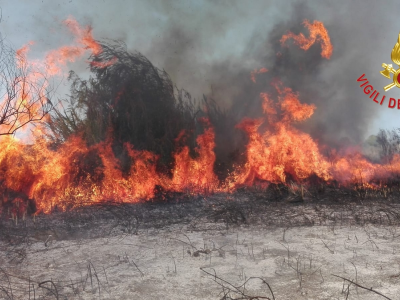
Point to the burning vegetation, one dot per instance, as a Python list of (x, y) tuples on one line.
[(128, 134)]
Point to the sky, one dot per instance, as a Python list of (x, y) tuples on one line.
[(203, 43)]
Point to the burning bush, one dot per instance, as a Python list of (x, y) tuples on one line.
[(131, 100)]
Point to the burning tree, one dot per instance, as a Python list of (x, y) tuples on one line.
[(24, 91)]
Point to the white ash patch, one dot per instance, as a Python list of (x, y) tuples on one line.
[(297, 262)]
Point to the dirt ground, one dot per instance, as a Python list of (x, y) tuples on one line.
[(200, 255)]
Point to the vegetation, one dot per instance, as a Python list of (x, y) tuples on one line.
[(24, 92), (130, 100)]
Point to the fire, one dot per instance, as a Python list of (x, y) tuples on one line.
[(26, 97), (83, 35), (60, 178), (74, 173), (196, 174), (281, 150), (24, 93), (256, 72), (318, 33), (34, 170), (84, 41)]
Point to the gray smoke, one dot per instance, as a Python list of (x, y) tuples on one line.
[(361, 43), (210, 47), (344, 114)]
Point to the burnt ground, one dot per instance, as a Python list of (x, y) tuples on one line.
[(196, 235), (223, 210)]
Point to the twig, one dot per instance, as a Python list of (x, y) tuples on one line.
[(50, 290), (137, 267), (331, 251), (237, 290), (9, 283), (183, 242), (95, 274), (363, 287)]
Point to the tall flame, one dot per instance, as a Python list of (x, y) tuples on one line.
[(196, 174), (281, 150)]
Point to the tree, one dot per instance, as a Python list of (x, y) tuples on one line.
[(389, 141), (24, 91)]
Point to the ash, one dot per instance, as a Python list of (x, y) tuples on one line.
[(224, 246)]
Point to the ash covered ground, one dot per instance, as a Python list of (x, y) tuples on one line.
[(227, 246)]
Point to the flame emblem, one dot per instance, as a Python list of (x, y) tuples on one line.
[(389, 68)]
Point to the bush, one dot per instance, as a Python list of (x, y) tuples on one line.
[(130, 101)]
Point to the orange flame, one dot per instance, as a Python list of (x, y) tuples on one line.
[(196, 174), (83, 35), (32, 76), (318, 33), (85, 41), (76, 174), (24, 94), (254, 73), (281, 150), (57, 178)]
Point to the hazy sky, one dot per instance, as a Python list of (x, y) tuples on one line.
[(188, 38)]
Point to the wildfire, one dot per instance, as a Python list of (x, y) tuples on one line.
[(74, 173)]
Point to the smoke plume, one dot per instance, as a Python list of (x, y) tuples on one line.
[(211, 47)]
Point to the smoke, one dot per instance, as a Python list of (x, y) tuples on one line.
[(210, 47), (344, 114)]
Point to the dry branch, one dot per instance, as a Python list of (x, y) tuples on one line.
[(363, 287), (24, 92), (238, 290)]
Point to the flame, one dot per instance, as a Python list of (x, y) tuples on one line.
[(33, 75), (24, 94), (318, 33), (57, 178), (83, 35), (34, 170), (281, 150), (254, 73), (75, 174), (196, 174), (30, 86), (84, 40)]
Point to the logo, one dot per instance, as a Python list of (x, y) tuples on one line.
[(373, 93), (389, 68)]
